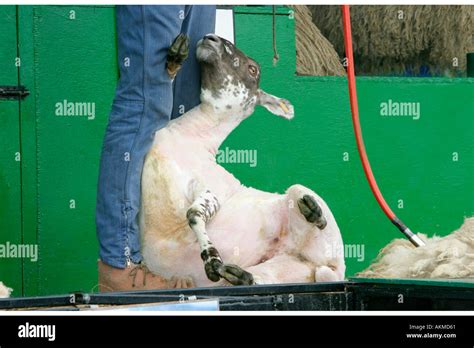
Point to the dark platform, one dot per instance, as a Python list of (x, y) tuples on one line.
[(354, 295)]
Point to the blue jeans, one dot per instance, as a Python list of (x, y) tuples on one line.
[(145, 100)]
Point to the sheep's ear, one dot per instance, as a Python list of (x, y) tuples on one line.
[(275, 105)]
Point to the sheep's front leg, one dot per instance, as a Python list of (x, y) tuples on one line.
[(201, 212), (177, 54)]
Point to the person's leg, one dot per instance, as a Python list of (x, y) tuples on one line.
[(142, 105), (200, 20)]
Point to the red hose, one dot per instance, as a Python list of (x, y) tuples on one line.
[(355, 114), (358, 131)]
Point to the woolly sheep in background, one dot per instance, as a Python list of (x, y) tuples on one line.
[(397, 39)]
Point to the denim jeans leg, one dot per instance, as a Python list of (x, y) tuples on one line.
[(142, 105), (200, 20)]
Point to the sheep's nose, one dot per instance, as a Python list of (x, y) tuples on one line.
[(212, 37)]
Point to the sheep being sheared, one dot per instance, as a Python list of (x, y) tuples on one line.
[(451, 256), (194, 211)]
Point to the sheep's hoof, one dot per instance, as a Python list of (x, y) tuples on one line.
[(177, 54), (234, 274), (210, 268), (312, 211)]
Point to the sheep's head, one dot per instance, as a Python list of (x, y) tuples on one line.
[(230, 80)]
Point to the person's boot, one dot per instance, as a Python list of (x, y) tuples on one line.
[(136, 277)]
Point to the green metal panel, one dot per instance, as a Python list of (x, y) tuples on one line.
[(75, 60), (10, 153), (454, 283), (28, 144)]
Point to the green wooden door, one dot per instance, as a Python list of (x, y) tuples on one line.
[(48, 160), (10, 156), (71, 59)]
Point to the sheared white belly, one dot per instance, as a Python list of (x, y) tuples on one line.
[(246, 230)]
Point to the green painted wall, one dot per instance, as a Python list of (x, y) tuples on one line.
[(75, 60), (10, 159), (61, 59)]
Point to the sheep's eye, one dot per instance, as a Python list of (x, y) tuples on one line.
[(252, 70)]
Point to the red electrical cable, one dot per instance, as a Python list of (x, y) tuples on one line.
[(358, 132)]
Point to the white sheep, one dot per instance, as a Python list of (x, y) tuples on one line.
[(194, 211)]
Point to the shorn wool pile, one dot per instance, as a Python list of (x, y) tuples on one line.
[(4, 291), (451, 256)]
